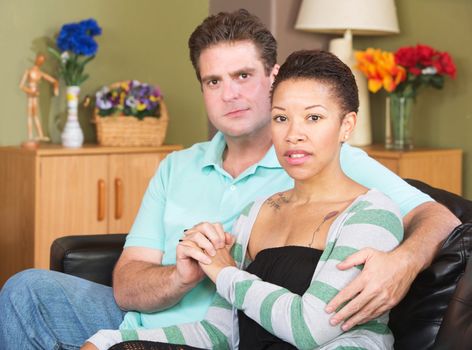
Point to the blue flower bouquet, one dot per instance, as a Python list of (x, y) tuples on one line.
[(76, 47)]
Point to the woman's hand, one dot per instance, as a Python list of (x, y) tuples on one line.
[(210, 245), (220, 260)]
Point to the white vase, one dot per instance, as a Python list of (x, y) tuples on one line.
[(72, 135)]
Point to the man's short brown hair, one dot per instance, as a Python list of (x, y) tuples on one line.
[(232, 27)]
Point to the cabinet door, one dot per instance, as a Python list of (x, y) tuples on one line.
[(72, 200), (129, 176)]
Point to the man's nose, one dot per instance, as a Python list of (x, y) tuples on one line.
[(230, 91)]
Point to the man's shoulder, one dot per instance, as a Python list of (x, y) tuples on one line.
[(193, 153)]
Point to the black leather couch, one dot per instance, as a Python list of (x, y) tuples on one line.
[(435, 314)]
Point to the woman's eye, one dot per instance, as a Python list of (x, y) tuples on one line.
[(279, 118), (313, 117)]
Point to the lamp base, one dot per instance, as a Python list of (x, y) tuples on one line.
[(342, 47)]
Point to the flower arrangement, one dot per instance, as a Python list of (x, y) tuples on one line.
[(405, 71), (76, 40), (130, 98)]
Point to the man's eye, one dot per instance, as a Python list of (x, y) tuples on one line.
[(212, 82), (314, 117), (244, 75), (279, 118)]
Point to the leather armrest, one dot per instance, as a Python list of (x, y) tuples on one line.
[(459, 206), (456, 329), (87, 256), (415, 321)]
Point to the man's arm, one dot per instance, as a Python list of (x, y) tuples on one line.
[(386, 277), (141, 283)]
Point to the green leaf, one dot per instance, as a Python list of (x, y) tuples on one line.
[(437, 81), (55, 53), (82, 78), (85, 61)]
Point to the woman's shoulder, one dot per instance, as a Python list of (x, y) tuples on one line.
[(375, 199)]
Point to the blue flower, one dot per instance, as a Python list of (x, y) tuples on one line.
[(90, 27), (85, 45), (78, 37)]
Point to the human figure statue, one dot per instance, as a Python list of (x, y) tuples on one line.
[(30, 85)]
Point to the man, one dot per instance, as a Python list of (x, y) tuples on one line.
[(234, 56)]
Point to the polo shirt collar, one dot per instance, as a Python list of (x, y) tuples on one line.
[(214, 155)]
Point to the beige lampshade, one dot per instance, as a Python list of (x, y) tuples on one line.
[(362, 17)]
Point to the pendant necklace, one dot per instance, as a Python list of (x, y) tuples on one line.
[(326, 218)]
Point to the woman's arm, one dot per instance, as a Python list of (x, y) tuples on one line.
[(301, 320)]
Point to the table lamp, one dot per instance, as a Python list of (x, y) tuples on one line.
[(350, 17)]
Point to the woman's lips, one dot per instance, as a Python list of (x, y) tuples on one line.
[(296, 157)]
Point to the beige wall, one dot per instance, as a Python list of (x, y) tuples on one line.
[(443, 118), (142, 39)]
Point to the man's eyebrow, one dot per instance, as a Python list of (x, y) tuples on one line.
[(211, 77), (242, 70)]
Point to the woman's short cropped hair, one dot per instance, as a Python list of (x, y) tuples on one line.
[(325, 67)]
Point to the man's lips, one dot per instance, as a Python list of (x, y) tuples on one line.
[(235, 112)]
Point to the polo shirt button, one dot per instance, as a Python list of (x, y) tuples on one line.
[(232, 188)]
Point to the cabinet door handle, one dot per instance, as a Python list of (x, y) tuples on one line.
[(118, 198), (101, 200)]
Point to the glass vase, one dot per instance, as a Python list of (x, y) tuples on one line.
[(399, 125), (72, 135)]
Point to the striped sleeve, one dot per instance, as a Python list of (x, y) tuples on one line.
[(372, 221)]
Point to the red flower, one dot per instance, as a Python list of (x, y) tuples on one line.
[(445, 65), (406, 57), (414, 71), (425, 55)]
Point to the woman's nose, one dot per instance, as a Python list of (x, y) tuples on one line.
[(294, 134)]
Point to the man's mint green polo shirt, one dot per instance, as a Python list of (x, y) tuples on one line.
[(191, 186)]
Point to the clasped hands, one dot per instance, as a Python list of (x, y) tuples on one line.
[(204, 250)]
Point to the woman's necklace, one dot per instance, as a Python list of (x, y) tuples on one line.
[(326, 218)]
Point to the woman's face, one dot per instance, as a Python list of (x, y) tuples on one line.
[(308, 127)]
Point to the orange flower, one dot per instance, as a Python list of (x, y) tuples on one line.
[(380, 69)]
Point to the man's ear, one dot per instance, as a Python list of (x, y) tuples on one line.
[(274, 72)]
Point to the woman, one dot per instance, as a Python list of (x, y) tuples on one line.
[(281, 272)]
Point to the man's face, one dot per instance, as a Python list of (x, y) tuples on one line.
[(236, 89)]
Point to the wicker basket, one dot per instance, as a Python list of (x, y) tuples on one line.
[(130, 131)]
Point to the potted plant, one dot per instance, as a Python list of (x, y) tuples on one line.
[(130, 113)]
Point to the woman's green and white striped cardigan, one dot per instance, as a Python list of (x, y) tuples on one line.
[(372, 220)]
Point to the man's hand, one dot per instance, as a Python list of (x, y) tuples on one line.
[(208, 236), (383, 282), (187, 268)]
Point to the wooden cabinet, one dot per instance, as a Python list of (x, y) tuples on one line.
[(53, 191), (440, 168)]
